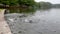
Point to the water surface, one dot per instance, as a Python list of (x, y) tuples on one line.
[(42, 22)]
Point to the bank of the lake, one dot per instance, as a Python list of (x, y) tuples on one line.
[(41, 22)]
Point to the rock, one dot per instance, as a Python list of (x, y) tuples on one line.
[(22, 16), (54, 31), (14, 33), (28, 20), (12, 20), (40, 32), (20, 32), (6, 11)]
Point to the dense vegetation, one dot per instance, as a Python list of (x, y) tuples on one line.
[(25, 4), (45, 5), (17, 2)]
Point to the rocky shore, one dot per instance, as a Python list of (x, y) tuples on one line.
[(20, 23)]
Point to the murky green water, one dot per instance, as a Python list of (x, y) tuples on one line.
[(40, 22)]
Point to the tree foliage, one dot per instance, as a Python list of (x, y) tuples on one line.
[(26, 2), (15, 2), (45, 4), (4, 2)]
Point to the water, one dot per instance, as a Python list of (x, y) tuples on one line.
[(42, 22)]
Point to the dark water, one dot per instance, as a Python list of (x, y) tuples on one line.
[(41, 22)]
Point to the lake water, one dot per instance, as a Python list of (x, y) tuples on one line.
[(41, 22)]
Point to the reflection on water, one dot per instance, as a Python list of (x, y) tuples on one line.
[(23, 10), (43, 22)]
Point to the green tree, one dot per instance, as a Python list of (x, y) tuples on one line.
[(9, 2), (13, 2), (27, 2), (6, 2), (45, 5)]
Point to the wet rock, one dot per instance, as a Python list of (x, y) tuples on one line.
[(6, 11), (10, 25), (54, 31), (15, 19), (11, 31), (30, 21), (40, 32), (22, 16), (14, 33), (20, 32), (12, 20)]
